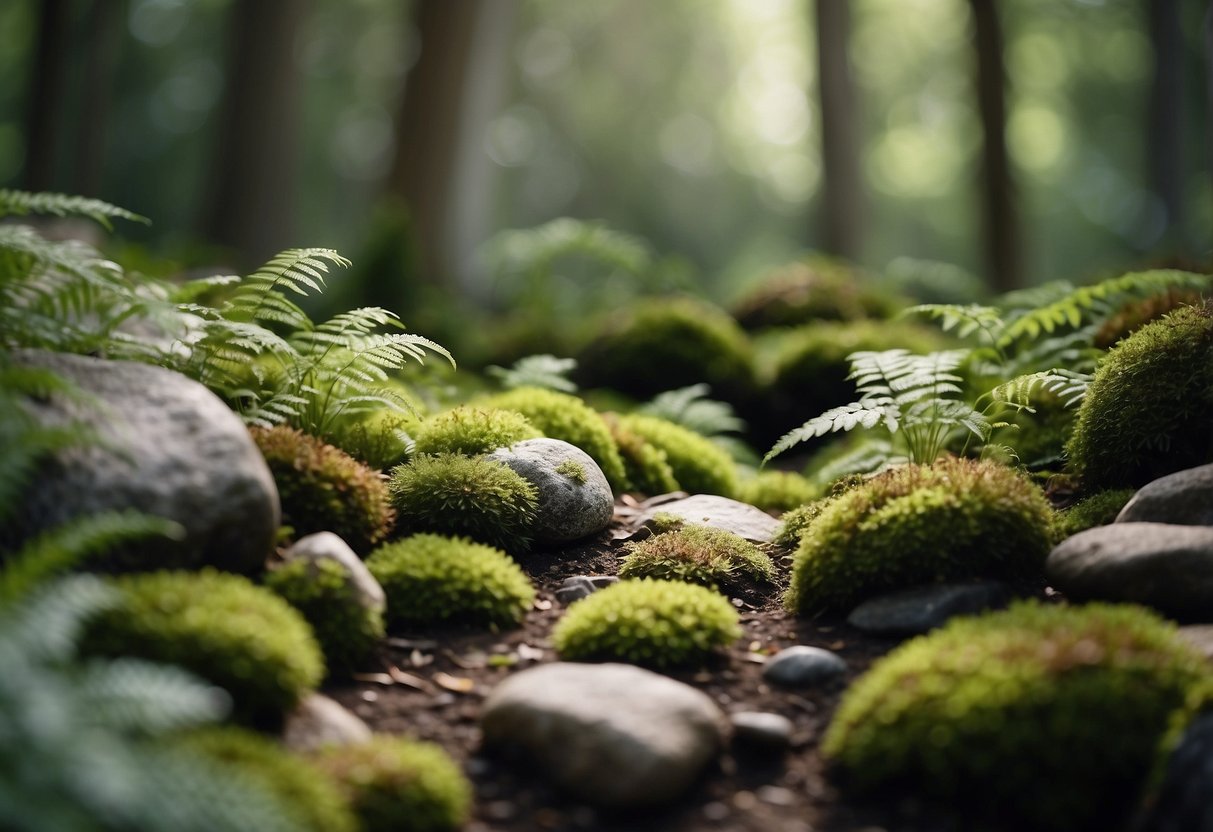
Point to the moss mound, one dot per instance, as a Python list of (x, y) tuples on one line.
[(813, 289), (698, 465), (399, 785), (1135, 314), (916, 524), (1096, 510), (647, 622), (306, 795), (1147, 413), (646, 466), (568, 418), (1048, 717), (230, 632), (324, 489), (777, 490), (698, 555), (459, 495), (794, 523), (472, 431), (346, 629), (429, 579)]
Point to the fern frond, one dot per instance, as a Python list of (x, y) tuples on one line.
[(138, 697), (963, 319), (261, 296), (690, 407), (1067, 385), (22, 203), (870, 455), (865, 413), (190, 291), (531, 250), (546, 371)]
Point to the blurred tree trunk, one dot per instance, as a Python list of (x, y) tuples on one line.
[(104, 29), (251, 203), (1209, 92), (43, 123), (1166, 122), (1000, 225), (842, 211)]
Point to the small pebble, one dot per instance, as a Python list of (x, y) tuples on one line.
[(803, 666), (715, 811), (369, 696), (582, 586), (776, 795), (759, 729)]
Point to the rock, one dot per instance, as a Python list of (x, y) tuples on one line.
[(802, 666), (1164, 566), (922, 608), (1199, 636), (614, 735), (328, 546), (754, 524), (575, 499), (1183, 802), (759, 730), (1184, 498), (582, 586), (319, 721), (167, 447)]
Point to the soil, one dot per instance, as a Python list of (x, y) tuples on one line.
[(432, 682)]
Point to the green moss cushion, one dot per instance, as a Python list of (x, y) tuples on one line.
[(1096, 510), (699, 466), (777, 490), (1044, 717), (699, 555), (472, 431), (646, 466), (918, 524)]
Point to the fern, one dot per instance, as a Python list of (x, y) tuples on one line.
[(546, 371), (1067, 385), (21, 203), (690, 407)]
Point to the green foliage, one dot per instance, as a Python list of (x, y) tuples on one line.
[(1042, 717), (311, 799), (429, 579), (565, 417), (647, 622), (1136, 313), (796, 522), (646, 466), (1098, 509), (811, 290), (777, 490), (698, 465), (321, 590), (1148, 409), (699, 555), (225, 629), (22, 203), (471, 430), (690, 407), (324, 489), (382, 439), (459, 495), (399, 785), (917, 524), (572, 469), (544, 371)]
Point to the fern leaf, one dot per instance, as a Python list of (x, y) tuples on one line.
[(21, 203), (137, 696), (871, 455), (546, 371), (690, 407), (1067, 385), (836, 419), (964, 319)]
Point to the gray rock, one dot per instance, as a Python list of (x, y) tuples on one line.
[(614, 735), (1184, 498), (803, 666), (1200, 637), (328, 546), (1183, 802), (743, 519), (319, 721), (169, 448), (1164, 566), (582, 586), (761, 730), (922, 608), (570, 506)]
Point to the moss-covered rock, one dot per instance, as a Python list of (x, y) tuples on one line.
[(701, 555), (1148, 410), (395, 784), (1043, 717), (431, 579), (472, 431), (307, 796), (222, 627), (460, 495), (346, 628), (1096, 510), (646, 467), (777, 490), (1135, 314), (647, 622), (794, 523), (698, 465), (917, 524), (564, 416), (815, 288), (324, 489)]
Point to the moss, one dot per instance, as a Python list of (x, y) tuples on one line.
[(647, 622), (777, 490), (320, 589), (460, 495), (1148, 410), (568, 418), (699, 466), (429, 579), (380, 439), (916, 524), (796, 522), (572, 469), (1096, 510), (307, 796), (471, 431), (236, 635), (1045, 717), (813, 289), (699, 555), (646, 466), (399, 785), (1135, 314), (322, 488)]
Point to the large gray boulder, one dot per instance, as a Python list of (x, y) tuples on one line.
[(1164, 566), (575, 499), (1184, 498), (743, 519), (614, 735), (165, 446)]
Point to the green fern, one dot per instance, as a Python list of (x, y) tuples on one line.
[(1067, 385), (546, 371), (22, 203), (690, 407)]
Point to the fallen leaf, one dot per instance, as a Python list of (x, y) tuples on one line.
[(527, 653), (412, 643), (408, 679), (543, 604), (419, 659), (756, 658), (457, 684), (377, 678), (503, 660), (472, 661)]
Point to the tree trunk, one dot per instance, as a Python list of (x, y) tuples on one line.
[(1209, 95), (1000, 232), (251, 204), (842, 211), (43, 123), (1165, 120), (104, 27)]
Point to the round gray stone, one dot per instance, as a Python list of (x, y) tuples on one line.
[(582, 586), (1183, 801), (615, 735), (322, 546), (571, 506), (318, 722), (743, 519), (920, 609), (761, 730), (1183, 498), (802, 666)]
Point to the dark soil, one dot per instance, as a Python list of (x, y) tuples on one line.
[(431, 684)]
